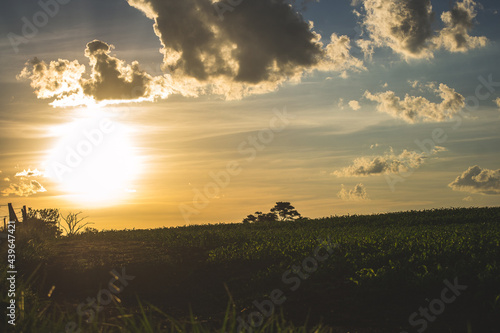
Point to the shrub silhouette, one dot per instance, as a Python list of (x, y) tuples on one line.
[(39, 224)]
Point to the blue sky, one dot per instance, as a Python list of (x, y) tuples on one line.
[(332, 157)]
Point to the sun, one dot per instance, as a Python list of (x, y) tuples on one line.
[(94, 160)]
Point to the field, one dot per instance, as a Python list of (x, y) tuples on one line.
[(432, 271)]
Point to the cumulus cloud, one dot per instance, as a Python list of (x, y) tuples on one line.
[(413, 109), (478, 180), (252, 48), (225, 68), (30, 173), (111, 79), (24, 189), (402, 25), (406, 27), (24, 186), (354, 105), (458, 22), (356, 194), (389, 163)]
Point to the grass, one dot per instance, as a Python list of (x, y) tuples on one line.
[(382, 269)]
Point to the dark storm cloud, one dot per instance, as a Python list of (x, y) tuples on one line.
[(258, 41)]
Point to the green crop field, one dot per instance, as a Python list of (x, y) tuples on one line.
[(417, 271)]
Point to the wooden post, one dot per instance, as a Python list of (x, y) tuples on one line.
[(12, 214), (4, 225), (25, 214)]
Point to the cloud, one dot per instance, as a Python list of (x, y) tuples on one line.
[(354, 105), (340, 104), (478, 180), (413, 109), (30, 173), (250, 49), (468, 199), (405, 26), (458, 22), (389, 163), (356, 194), (497, 101), (402, 25), (111, 79), (24, 189)]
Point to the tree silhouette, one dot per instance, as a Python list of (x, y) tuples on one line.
[(74, 223), (285, 211), (282, 211)]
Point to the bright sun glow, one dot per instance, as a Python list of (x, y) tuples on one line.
[(94, 161)]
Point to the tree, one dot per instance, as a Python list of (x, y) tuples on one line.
[(282, 211), (250, 219), (260, 217), (285, 211), (268, 217), (74, 223)]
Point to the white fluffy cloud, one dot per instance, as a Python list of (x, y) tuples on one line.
[(389, 163), (30, 173), (24, 189), (354, 105), (25, 186), (356, 194), (478, 180), (413, 109), (455, 37), (111, 80), (402, 25), (406, 27)]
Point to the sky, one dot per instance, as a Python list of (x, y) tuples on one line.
[(159, 113)]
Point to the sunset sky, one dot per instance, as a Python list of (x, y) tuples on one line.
[(151, 113)]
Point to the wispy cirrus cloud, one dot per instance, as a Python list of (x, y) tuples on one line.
[(388, 163)]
